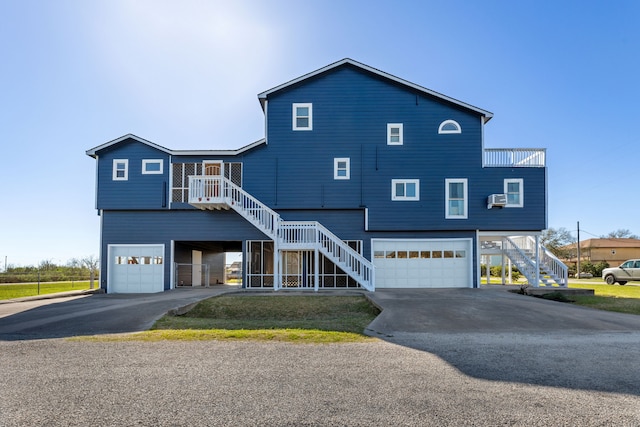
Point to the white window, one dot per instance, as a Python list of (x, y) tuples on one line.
[(342, 168), (456, 198), (449, 126), (120, 169), (514, 189), (151, 167), (405, 189), (302, 116), (394, 134)]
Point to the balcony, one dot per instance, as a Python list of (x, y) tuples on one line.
[(208, 192), (514, 158)]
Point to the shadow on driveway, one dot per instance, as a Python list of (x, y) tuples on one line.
[(496, 335), (95, 314)]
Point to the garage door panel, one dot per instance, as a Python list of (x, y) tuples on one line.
[(135, 269), (412, 263)]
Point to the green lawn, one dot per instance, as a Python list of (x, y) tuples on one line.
[(623, 299), (31, 289), (290, 318)]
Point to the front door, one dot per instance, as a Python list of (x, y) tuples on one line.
[(213, 169)]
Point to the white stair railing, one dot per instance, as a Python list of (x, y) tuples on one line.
[(288, 234), (549, 267), (524, 263)]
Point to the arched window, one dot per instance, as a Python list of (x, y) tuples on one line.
[(449, 126)]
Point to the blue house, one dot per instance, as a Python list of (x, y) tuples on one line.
[(362, 180)]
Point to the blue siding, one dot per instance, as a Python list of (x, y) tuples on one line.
[(161, 227), (351, 109), (139, 191), (294, 172)]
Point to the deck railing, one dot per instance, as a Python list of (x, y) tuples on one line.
[(312, 234), (207, 192), (514, 157)]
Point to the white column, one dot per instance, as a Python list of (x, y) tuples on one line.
[(537, 284), (316, 272)]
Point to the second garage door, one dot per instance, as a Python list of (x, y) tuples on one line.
[(429, 263)]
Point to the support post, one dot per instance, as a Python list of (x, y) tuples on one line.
[(276, 256), (316, 269), (537, 284)]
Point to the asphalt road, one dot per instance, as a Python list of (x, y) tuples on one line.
[(507, 374)]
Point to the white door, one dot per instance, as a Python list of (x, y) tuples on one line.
[(196, 268), (135, 268), (423, 263)]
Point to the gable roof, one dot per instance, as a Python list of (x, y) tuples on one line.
[(262, 97), (93, 152)]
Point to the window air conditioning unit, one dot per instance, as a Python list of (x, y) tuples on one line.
[(497, 200)]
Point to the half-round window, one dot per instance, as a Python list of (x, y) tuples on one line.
[(449, 126)]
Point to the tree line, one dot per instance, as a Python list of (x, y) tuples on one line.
[(48, 271)]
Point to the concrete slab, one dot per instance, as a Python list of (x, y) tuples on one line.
[(486, 310)]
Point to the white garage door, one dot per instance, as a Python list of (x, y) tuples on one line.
[(431, 263), (135, 269)]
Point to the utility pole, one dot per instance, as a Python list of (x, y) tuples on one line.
[(578, 264)]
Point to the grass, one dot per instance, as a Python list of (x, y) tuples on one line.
[(289, 318), (31, 289), (621, 299)]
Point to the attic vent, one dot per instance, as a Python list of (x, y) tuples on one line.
[(497, 200)]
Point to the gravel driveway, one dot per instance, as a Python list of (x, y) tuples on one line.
[(495, 365), (58, 382)]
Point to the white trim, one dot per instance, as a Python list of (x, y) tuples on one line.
[(93, 151), (336, 168), (146, 162), (464, 182), (115, 176), (395, 197), (520, 182), (442, 130), (294, 117), (399, 126), (263, 96), (213, 162), (172, 268)]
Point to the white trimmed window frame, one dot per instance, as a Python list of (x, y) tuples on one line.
[(117, 169), (448, 199), (395, 196), (146, 162), (342, 171), (296, 116), (442, 130), (520, 193), (392, 135)]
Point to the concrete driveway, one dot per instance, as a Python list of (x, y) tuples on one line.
[(94, 314), (487, 310), (496, 335)]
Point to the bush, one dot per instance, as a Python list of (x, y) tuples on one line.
[(496, 271)]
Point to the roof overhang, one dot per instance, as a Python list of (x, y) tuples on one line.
[(93, 152), (262, 97)]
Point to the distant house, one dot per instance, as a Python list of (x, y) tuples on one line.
[(362, 180), (612, 251)]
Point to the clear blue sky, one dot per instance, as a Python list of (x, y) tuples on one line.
[(560, 75)]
